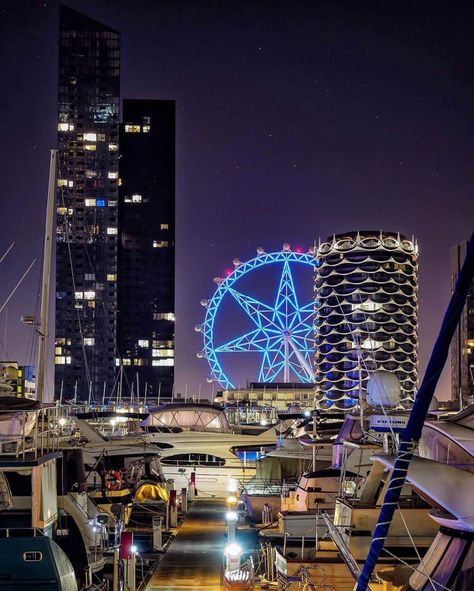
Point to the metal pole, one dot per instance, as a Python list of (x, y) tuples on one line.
[(159, 393), (412, 433), (103, 394), (46, 279), (75, 392)]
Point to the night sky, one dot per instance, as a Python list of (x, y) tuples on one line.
[(295, 120)]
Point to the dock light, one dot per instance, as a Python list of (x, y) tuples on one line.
[(307, 413), (62, 422), (232, 500), (233, 486), (134, 549), (264, 422), (231, 516), (233, 550)]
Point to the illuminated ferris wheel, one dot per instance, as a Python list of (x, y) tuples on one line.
[(281, 331)]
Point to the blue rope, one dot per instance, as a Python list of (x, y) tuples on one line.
[(412, 432)]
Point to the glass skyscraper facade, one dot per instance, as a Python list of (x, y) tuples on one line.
[(462, 346), (146, 310), (366, 289), (87, 206)]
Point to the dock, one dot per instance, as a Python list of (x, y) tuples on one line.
[(195, 557)]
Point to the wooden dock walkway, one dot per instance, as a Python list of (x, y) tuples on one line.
[(194, 559)]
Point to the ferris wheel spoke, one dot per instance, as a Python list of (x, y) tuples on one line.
[(255, 340), (306, 314), (272, 363), (258, 312), (287, 310)]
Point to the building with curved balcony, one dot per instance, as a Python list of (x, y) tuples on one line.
[(366, 314)]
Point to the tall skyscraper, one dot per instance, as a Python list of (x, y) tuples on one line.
[(366, 314), (147, 245), (462, 345), (87, 203)]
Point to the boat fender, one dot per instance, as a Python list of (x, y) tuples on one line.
[(113, 480)]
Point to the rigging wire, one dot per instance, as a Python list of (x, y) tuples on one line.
[(71, 266)]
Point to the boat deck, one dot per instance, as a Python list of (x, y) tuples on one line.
[(194, 559)]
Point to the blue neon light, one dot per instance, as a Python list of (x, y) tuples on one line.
[(282, 332), (100, 203)]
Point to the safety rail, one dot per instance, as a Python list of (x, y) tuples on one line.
[(29, 433), (257, 486)]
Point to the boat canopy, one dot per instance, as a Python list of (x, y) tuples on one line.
[(443, 486), (189, 417)]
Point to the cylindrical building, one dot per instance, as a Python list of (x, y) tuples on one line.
[(366, 314)]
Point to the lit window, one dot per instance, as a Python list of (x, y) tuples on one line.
[(61, 341), (112, 203), (160, 243), (112, 174), (167, 362), (62, 182), (58, 350), (162, 353), (132, 129), (117, 361), (89, 276), (146, 129), (100, 203), (143, 343), (133, 198), (164, 227), (89, 295), (78, 295), (164, 316), (126, 362), (90, 147), (70, 184), (369, 343), (90, 174), (60, 360), (65, 127), (111, 277), (90, 137), (162, 344), (111, 231), (89, 202), (368, 306), (89, 341), (113, 147)]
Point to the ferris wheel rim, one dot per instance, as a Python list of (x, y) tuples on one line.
[(223, 286)]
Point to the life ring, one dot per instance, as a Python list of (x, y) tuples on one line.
[(113, 480)]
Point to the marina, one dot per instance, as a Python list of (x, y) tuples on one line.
[(310, 440)]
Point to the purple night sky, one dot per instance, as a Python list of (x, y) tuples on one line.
[(295, 120)]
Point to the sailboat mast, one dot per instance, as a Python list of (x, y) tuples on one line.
[(46, 279)]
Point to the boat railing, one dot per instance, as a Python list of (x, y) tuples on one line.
[(29, 433), (263, 486), (16, 532)]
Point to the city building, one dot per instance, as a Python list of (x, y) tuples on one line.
[(462, 345), (366, 314), (146, 276), (20, 379), (87, 203)]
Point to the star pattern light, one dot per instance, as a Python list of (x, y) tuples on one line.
[(281, 333)]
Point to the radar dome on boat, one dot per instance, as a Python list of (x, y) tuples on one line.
[(383, 389)]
